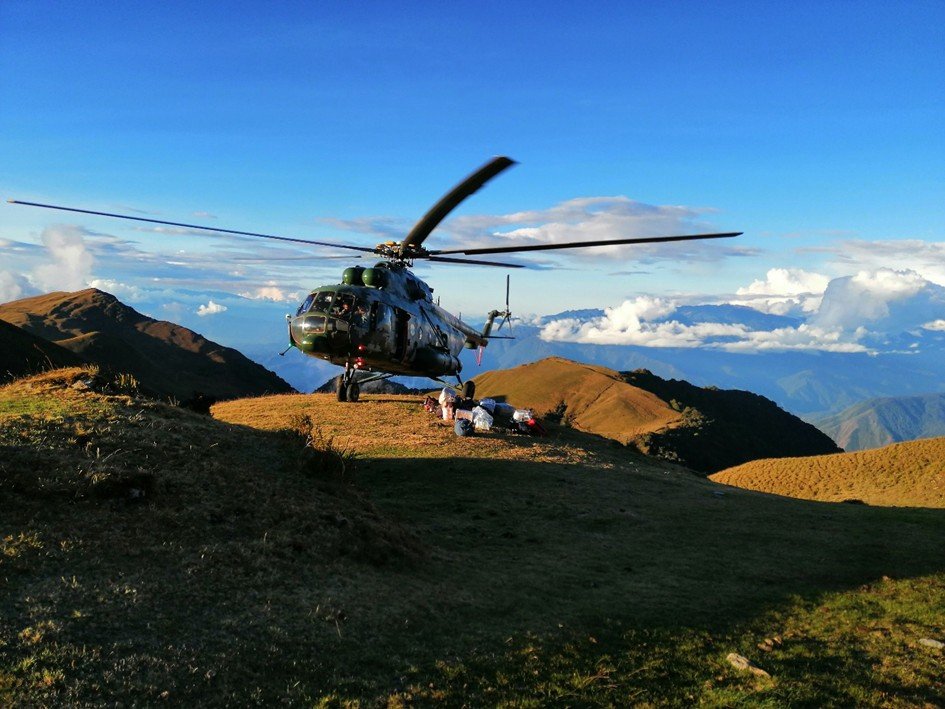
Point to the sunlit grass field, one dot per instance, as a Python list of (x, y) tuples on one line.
[(901, 474), (296, 549)]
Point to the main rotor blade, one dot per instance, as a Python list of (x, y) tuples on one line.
[(421, 230), (473, 262), (584, 244), (262, 259), (195, 226)]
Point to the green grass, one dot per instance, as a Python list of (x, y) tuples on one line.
[(29, 407), (490, 571), (826, 656)]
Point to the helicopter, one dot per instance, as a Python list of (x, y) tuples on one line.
[(383, 319)]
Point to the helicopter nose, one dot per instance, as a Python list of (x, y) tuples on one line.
[(308, 333)]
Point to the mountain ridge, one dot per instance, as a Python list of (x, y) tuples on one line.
[(166, 358)]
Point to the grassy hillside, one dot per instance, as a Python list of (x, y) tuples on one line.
[(151, 554), (588, 397), (706, 429), (903, 474), (24, 353), (879, 422), (166, 359)]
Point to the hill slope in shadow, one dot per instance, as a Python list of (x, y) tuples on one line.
[(902, 474), (725, 427), (166, 359), (22, 352)]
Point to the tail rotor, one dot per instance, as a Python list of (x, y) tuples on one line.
[(507, 315)]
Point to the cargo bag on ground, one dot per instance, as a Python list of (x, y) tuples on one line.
[(482, 419)]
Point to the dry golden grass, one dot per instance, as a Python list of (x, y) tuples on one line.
[(390, 426), (596, 398), (903, 474)]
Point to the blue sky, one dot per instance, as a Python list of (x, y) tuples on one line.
[(815, 128)]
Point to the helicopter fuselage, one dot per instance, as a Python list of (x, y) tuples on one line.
[(382, 319)]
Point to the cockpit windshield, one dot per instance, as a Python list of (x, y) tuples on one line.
[(322, 301), (337, 305), (306, 304)]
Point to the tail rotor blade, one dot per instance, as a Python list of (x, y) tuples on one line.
[(508, 310)]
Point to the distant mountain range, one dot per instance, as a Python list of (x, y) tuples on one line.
[(879, 422), (705, 429), (166, 359)]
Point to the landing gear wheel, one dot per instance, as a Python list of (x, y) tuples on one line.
[(354, 391), (469, 389), (342, 390)]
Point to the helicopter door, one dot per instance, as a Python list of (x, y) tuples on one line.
[(401, 329)]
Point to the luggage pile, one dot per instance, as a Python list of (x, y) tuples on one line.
[(483, 415)]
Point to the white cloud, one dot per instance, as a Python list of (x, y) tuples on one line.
[(210, 308), (646, 322), (71, 260), (927, 258), (856, 314), (784, 291), (638, 322), (802, 337), (271, 292), (884, 299), (13, 286), (122, 291)]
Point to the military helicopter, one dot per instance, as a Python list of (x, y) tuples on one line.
[(383, 319)]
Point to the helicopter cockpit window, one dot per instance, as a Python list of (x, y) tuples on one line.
[(322, 301), (306, 304), (343, 306)]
